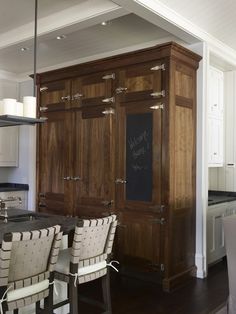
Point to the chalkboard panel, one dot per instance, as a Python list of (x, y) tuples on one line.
[(139, 157)]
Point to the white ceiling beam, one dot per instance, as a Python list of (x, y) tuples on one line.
[(156, 12), (159, 15), (77, 17)]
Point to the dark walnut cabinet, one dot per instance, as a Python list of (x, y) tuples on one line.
[(121, 137)]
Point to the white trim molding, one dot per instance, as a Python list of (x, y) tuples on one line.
[(200, 261)]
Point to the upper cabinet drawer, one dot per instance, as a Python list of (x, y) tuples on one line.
[(94, 89), (143, 81), (54, 96)]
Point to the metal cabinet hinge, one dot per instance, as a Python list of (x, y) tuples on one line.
[(108, 100), (158, 208), (160, 221), (42, 109), (77, 96), (109, 76), (43, 89), (158, 94), (158, 106), (158, 67), (108, 111), (78, 178), (64, 98), (120, 90)]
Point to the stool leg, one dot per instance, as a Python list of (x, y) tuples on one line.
[(106, 292), (73, 296)]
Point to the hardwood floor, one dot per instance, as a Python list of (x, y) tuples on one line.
[(131, 296)]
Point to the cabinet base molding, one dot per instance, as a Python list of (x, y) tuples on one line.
[(173, 283)]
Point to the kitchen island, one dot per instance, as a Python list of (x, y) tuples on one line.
[(19, 220)]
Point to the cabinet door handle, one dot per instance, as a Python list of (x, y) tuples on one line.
[(107, 203), (120, 181), (77, 96), (76, 178), (64, 98), (67, 178)]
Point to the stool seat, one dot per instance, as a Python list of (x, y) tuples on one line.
[(86, 260)]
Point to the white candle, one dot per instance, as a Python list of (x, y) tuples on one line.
[(29, 104), (19, 109), (8, 106)]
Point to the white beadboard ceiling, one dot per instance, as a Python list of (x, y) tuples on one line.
[(216, 17), (14, 13), (86, 38), (122, 32)]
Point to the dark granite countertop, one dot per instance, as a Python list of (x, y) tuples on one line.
[(8, 187), (23, 220), (218, 197)]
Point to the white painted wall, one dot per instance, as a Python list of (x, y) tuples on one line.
[(26, 172)]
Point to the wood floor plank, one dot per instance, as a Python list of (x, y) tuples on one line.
[(130, 296)]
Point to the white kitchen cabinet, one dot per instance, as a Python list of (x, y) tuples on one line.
[(216, 83), (216, 118), (215, 143), (9, 146), (215, 232)]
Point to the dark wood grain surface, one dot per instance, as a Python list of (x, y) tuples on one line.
[(39, 221)]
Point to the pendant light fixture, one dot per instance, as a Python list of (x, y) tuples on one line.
[(11, 109)]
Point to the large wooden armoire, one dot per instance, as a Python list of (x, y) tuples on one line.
[(121, 137)]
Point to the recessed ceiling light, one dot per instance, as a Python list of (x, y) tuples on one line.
[(61, 37), (24, 48), (105, 23)]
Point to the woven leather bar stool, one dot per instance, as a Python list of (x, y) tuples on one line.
[(87, 260), (27, 261)]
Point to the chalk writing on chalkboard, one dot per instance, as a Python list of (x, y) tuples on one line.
[(139, 157)]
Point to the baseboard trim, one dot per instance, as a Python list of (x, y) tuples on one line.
[(200, 262)]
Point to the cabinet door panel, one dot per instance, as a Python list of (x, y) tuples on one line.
[(93, 90), (216, 93), (140, 82), (139, 238), (9, 147), (54, 164), (215, 142), (94, 162), (139, 162), (55, 96)]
